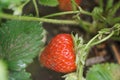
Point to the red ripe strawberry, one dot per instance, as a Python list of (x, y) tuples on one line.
[(66, 5), (59, 54)]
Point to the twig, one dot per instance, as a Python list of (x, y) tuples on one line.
[(117, 55)]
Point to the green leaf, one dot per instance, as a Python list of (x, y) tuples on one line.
[(104, 72), (51, 3), (97, 13), (22, 75), (109, 4), (3, 71), (20, 41), (101, 3), (113, 10), (15, 5)]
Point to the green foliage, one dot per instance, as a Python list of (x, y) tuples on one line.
[(74, 5), (109, 4), (112, 19), (22, 75), (49, 2), (97, 13), (20, 42), (104, 72), (3, 71), (70, 76), (15, 5)]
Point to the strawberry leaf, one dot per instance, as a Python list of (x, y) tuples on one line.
[(51, 3), (104, 72), (20, 42), (22, 75)]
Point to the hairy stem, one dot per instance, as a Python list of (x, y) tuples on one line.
[(27, 18), (80, 11), (61, 13), (104, 39), (89, 43), (84, 12), (84, 52)]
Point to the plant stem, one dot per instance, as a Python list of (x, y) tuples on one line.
[(89, 43), (80, 72), (80, 11), (27, 18), (104, 39), (84, 12), (61, 13), (24, 4), (36, 8), (74, 7), (85, 51), (100, 41)]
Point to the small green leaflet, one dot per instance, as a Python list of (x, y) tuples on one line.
[(104, 72), (20, 42), (51, 3)]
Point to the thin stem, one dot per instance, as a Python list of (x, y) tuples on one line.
[(36, 8), (27, 18), (80, 72), (84, 12), (81, 11), (100, 41), (104, 39), (61, 13), (89, 43), (19, 9), (74, 7), (24, 3)]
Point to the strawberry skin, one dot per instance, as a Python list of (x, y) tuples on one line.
[(65, 5), (59, 54)]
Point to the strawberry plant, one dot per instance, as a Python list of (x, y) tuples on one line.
[(23, 36)]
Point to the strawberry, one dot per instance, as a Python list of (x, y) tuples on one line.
[(66, 5), (59, 54)]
